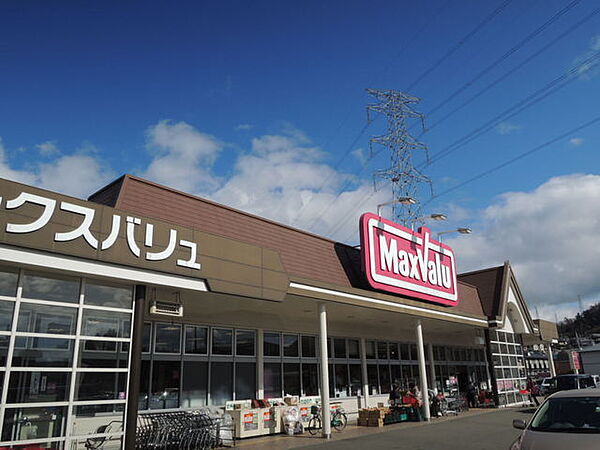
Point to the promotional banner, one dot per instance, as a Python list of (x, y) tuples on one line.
[(402, 261)]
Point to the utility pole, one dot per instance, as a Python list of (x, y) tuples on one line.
[(407, 181)]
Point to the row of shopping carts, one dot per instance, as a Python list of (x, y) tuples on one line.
[(177, 430)]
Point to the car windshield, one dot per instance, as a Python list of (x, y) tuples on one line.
[(571, 415)]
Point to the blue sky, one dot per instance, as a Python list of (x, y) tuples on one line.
[(204, 96)]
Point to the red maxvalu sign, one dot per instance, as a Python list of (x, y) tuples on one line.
[(399, 260)]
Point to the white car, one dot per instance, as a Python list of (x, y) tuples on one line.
[(567, 419), (596, 380)]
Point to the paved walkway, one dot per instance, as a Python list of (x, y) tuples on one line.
[(490, 426)]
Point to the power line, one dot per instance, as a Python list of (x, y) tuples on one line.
[(549, 89), (517, 158), (460, 43), (506, 55), (514, 69), (349, 149)]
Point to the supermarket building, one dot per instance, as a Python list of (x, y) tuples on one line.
[(147, 298)]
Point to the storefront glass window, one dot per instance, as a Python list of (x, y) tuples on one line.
[(290, 345), (244, 343), (355, 379), (394, 354), (91, 355), (146, 337), (195, 384), (34, 318), (309, 346), (165, 384), (196, 340), (272, 344), (341, 380), (353, 349), (339, 348), (6, 315), (370, 346), (382, 350), (43, 352), (144, 386), (291, 378), (396, 374), (413, 352), (310, 379), (384, 378), (106, 324), (373, 379), (222, 341), (112, 295), (404, 352), (245, 380), (272, 380), (100, 386), (221, 382), (168, 338), (8, 281), (50, 287), (22, 423), (37, 387)]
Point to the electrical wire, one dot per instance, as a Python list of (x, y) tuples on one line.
[(514, 69), (517, 158), (532, 99), (349, 149), (460, 43), (506, 55)]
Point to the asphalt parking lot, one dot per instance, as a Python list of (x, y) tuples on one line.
[(489, 431)]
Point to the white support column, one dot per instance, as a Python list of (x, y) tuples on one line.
[(551, 361), (431, 368), (422, 372), (260, 366), (325, 412), (365, 375)]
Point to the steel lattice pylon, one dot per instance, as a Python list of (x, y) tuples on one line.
[(407, 181)]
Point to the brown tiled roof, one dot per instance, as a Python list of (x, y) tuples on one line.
[(303, 254), (489, 285)]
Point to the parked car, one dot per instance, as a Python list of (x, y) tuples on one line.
[(570, 382), (596, 380), (566, 419), (544, 385)]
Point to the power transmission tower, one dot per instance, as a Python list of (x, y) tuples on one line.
[(406, 180)]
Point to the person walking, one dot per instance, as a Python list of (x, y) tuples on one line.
[(533, 391), (472, 395)]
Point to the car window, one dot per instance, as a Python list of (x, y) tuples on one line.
[(566, 383), (572, 415), (587, 382)]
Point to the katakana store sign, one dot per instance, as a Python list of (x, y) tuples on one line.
[(401, 261), (65, 225)]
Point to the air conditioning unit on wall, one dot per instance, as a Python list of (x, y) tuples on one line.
[(166, 309)]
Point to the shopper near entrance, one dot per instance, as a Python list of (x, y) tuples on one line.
[(533, 389)]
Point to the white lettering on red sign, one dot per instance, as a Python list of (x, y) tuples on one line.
[(406, 262)]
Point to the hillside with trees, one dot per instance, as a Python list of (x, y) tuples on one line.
[(583, 324)]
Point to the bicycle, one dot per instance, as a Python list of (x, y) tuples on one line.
[(338, 420)]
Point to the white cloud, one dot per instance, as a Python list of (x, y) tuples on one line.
[(588, 60), (183, 157), (243, 127), (576, 141), (550, 235), (283, 178), (505, 128), (360, 156), (77, 174), (48, 148)]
